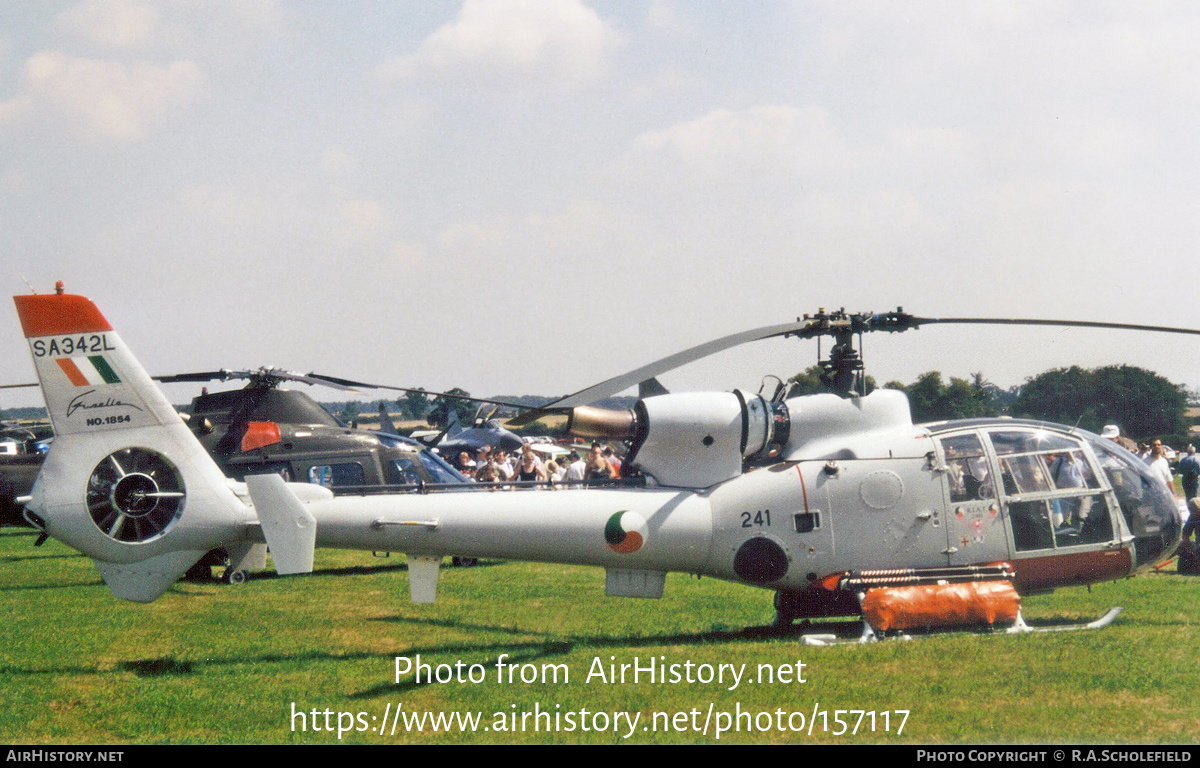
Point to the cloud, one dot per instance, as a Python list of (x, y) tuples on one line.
[(770, 136), (362, 221), (114, 23), (664, 18), (112, 100), (510, 44), (14, 109), (581, 230), (212, 30), (338, 163)]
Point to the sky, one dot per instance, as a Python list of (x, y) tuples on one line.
[(523, 197)]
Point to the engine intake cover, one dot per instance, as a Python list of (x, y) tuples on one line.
[(692, 439)]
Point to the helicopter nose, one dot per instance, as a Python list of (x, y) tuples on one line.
[(1157, 527), (1148, 505)]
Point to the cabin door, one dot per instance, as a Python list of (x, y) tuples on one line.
[(975, 532)]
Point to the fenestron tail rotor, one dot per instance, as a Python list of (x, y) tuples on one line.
[(134, 495)]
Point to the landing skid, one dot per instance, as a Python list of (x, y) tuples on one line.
[(1099, 623), (815, 634)]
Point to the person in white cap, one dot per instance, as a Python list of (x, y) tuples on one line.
[(1113, 432)]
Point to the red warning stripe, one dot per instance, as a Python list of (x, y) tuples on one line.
[(803, 488), (57, 314)]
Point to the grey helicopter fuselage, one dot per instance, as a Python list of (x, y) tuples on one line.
[(850, 483)]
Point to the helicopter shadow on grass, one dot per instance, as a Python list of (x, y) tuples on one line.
[(168, 666), (172, 666), (551, 646), (517, 652), (21, 558), (73, 585), (349, 570)]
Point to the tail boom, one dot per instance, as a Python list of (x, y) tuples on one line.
[(649, 529)]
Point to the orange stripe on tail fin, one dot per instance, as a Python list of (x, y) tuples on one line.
[(73, 373)]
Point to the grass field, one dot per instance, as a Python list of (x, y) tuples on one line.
[(209, 663)]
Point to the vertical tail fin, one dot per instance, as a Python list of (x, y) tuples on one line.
[(125, 481), (90, 380)]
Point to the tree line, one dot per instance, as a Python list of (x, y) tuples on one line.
[(1141, 402)]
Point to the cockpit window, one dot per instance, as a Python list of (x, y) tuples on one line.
[(408, 471), (337, 475), (1050, 490), (967, 468), (1069, 469), (1148, 506), (1006, 442), (1024, 474)]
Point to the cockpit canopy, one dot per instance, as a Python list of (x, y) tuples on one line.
[(1054, 489)]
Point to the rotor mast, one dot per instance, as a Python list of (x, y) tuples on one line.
[(842, 371)]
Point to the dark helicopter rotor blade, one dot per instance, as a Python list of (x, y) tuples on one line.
[(313, 379), (268, 375), (348, 383), (189, 378)]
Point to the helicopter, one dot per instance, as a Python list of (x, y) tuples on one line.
[(21, 455), (836, 503), (265, 428)]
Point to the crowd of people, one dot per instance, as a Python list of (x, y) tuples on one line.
[(494, 465), (1154, 453)]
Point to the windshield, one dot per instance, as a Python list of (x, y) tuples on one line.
[(1149, 507)]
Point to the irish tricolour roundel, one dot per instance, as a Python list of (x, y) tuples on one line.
[(625, 532)]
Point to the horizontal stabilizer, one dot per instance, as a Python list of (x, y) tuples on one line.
[(289, 528), (144, 581)]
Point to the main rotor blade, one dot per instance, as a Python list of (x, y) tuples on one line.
[(919, 321), (807, 328), (333, 381), (262, 375), (312, 378), (616, 384), (189, 378)]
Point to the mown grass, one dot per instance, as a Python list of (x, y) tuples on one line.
[(208, 663)]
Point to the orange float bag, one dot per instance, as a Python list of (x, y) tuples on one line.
[(941, 605)]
